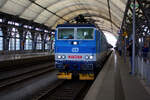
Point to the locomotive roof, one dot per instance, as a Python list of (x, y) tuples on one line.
[(75, 25)]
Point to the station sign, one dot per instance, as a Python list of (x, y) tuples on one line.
[(120, 31), (124, 34)]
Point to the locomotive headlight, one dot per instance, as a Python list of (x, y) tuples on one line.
[(63, 56), (91, 57), (86, 57), (75, 43), (58, 57)]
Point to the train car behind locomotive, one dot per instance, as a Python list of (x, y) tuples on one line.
[(78, 47)]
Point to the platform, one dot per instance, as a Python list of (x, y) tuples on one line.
[(14, 56), (115, 83), (10, 62)]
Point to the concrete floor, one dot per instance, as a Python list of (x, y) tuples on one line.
[(115, 83)]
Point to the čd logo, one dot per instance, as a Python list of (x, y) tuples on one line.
[(75, 49)]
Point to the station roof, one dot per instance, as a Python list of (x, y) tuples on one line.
[(75, 25), (97, 10)]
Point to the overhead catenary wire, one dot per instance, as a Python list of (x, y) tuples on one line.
[(80, 5), (84, 7), (48, 10)]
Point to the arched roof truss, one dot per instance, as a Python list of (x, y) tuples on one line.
[(97, 10)]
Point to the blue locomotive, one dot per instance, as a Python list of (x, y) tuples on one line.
[(78, 48)]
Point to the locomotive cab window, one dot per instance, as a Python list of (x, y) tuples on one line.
[(66, 33), (85, 33)]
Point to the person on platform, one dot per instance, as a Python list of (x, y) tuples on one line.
[(145, 50), (129, 48), (119, 50)]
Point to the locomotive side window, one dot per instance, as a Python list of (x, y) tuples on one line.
[(66, 33), (85, 33)]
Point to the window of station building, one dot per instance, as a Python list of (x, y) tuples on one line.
[(85, 33), (28, 43), (1, 40), (10, 22), (39, 42), (48, 43), (65, 33), (14, 41), (1, 20)]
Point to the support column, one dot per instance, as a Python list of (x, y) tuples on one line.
[(52, 40), (125, 49), (133, 46), (43, 42), (34, 41), (22, 39)]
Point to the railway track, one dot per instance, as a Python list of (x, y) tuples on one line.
[(26, 74), (50, 90), (65, 90)]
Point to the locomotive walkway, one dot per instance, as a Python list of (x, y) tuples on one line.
[(115, 83)]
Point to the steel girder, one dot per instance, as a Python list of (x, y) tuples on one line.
[(142, 18), (32, 26)]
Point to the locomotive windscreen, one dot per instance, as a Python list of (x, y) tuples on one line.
[(76, 33), (66, 33), (85, 33)]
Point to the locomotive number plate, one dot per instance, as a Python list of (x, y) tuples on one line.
[(75, 57)]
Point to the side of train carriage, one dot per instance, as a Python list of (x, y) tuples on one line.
[(77, 50)]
